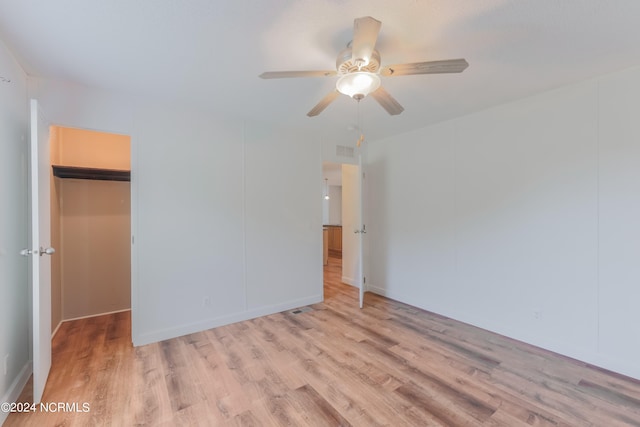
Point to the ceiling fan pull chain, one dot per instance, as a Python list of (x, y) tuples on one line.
[(361, 139)]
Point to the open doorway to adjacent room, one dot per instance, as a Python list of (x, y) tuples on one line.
[(332, 209), (340, 207), (331, 225)]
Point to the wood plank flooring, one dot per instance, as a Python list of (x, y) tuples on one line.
[(388, 364)]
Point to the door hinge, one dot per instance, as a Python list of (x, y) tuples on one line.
[(364, 279), (133, 240)]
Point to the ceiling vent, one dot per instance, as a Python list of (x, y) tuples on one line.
[(344, 151)]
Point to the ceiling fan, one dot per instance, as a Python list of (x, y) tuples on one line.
[(358, 68)]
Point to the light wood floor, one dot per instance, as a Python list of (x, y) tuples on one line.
[(335, 365)]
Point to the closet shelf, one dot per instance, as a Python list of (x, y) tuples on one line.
[(91, 173)]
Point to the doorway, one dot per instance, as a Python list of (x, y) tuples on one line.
[(90, 224), (341, 212), (332, 209)]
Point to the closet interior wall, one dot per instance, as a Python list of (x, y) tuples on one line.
[(91, 227)]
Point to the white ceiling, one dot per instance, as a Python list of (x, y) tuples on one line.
[(210, 52)]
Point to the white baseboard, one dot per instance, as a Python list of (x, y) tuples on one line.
[(55, 331), (380, 291), (16, 388), (349, 281), (93, 315), (165, 334)]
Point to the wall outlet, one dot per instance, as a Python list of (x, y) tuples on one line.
[(206, 302), (5, 364)]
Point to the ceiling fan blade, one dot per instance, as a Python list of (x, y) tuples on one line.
[(324, 103), (365, 34), (387, 101), (288, 74), (428, 67)]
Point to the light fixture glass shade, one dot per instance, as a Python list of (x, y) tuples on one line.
[(359, 83)]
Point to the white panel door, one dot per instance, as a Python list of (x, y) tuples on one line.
[(40, 250), (353, 229), (361, 231)]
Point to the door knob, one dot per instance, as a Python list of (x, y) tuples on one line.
[(26, 252), (48, 251)]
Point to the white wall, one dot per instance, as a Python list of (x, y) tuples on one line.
[(224, 223), (283, 224), (14, 302), (521, 219), (325, 209), (335, 205), (619, 218), (95, 247), (332, 208)]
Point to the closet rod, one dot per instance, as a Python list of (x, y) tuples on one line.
[(91, 173)]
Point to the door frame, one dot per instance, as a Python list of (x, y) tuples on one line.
[(41, 334), (131, 264), (358, 204)]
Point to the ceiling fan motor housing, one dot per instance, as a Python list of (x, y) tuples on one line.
[(346, 65)]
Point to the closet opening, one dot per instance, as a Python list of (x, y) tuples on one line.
[(90, 224)]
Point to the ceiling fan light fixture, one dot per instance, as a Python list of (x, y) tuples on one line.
[(358, 84)]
